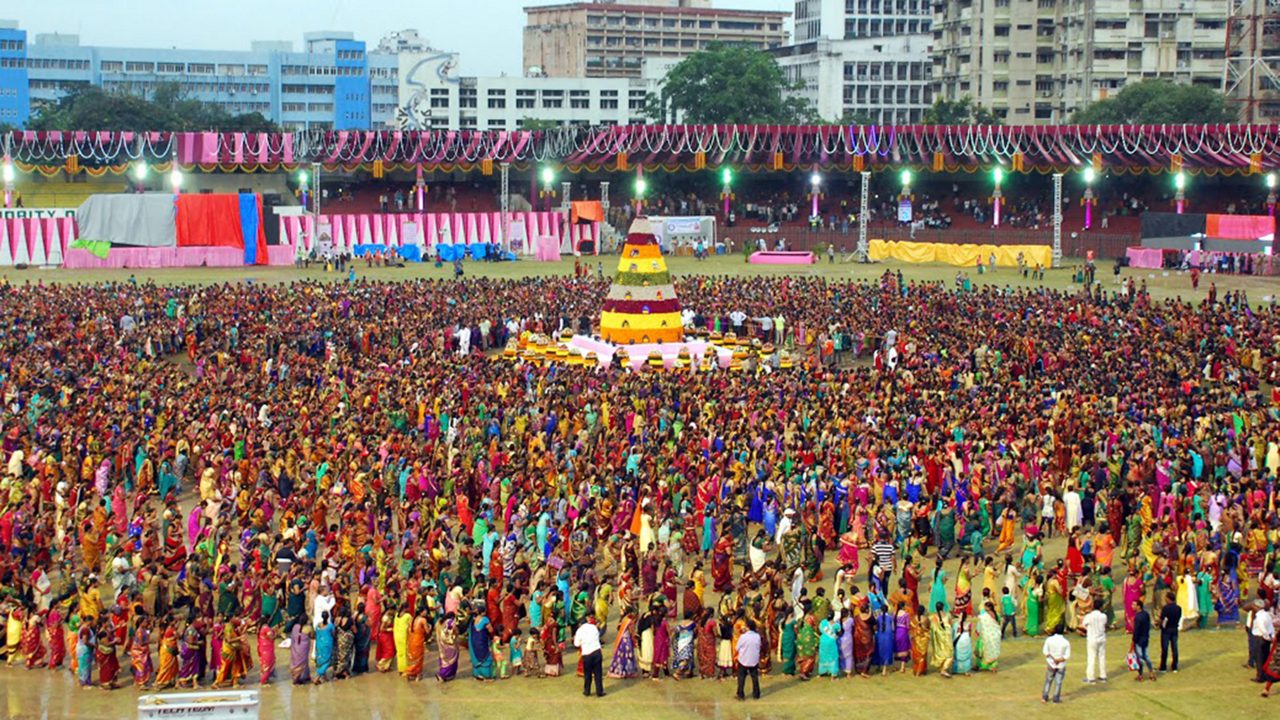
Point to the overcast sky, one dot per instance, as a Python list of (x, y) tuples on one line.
[(486, 32)]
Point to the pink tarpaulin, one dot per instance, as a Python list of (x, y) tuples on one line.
[(548, 249), (169, 257), (350, 230), (1148, 258), (782, 258)]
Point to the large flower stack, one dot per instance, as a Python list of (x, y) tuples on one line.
[(642, 306)]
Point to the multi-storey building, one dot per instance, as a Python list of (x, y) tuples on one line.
[(863, 58), (1039, 61), (15, 103), (334, 83), (610, 39), (432, 96)]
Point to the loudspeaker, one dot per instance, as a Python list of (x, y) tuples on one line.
[(271, 221)]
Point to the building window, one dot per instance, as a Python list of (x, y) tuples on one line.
[(608, 104), (497, 103), (112, 66), (199, 68)]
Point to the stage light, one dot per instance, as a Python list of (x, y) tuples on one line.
[(906, 179), (726, 175), (303, 177), (1180, 181), (998, 174), (140, 172), (642, 186), (1088, 176), (1271, 181), (8, 172), (548, 176), (175, 178), (815, 179)]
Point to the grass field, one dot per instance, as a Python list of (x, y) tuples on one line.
[(1162, 284)]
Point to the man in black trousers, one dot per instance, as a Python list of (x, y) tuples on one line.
[(1170, 620), (587, 640), (748, 652)]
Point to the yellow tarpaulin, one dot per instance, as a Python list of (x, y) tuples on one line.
[(959, 255)]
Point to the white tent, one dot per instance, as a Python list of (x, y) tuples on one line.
[(38, 258), (20, 254)]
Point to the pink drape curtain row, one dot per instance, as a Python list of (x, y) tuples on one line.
[(1255, 147), (432, 229)]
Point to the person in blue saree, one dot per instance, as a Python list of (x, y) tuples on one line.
[(479, 645), (829, 649), (963, 643), (324, 649), (883, 657), (85, 642)]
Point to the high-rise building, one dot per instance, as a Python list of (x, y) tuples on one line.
[(868, 59), (15, 104), (610, 39), (333, 83), (1039, 61)]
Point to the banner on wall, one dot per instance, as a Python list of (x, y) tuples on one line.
[(36, 213), (324, 238), (518, 237), (410, 234), (904, 211)]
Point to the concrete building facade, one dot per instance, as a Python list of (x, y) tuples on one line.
[(608, 39), (433, 96), (1039, 61), (863, 58), (335, 82)]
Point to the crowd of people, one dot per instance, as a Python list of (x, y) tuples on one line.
[(198, 477)]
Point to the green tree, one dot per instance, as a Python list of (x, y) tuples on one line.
[(166, 109), (727, 84), (1158, 102), (959, 112), (857, 117), (530, 123)]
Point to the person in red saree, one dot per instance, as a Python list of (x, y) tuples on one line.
[(386, 653), (33, 640), (57, 637), (722, 564), (266, 653), (140, 653), (551, 652), (827, 523), (708, 636), (105, 656)]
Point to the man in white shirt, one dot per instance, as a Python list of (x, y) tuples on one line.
[(1263, 630), (1094, 627), (587, 640), (1056, 652)]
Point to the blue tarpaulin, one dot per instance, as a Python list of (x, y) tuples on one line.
[(412, 253), (249, 225)]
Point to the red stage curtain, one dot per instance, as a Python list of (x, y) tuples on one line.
[(210, 221)]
